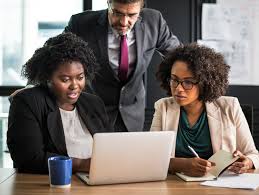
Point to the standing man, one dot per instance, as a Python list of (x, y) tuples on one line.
[(124, 38)]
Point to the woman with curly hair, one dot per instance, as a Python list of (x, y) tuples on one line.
[(196, 78), (55, 117)]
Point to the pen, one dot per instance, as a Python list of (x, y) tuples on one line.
[(193, 151)]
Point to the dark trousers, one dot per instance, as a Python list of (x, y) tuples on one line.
[(119, 125)]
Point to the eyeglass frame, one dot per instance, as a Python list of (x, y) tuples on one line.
[(170, 80), (120, 15)]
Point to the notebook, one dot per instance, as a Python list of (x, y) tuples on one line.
[(223, 160), (126, 157)]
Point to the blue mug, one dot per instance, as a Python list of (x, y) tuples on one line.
[(60, 171)]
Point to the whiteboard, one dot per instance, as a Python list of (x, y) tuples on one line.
[(232, 28)]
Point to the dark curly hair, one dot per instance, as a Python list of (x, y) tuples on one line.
[(58, 50), (207, 66)]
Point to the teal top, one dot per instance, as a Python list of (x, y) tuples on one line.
[(198, 137)]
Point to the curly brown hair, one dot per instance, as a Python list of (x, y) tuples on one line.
[(58, 50), (207, 66)]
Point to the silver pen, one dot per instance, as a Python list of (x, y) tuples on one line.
[(193, 151)]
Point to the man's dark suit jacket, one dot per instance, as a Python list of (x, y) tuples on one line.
[(35, 130), (152, 33)]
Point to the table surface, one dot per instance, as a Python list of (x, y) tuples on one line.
[(34, 184)]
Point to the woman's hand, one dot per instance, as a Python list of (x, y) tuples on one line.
[(198, 167), (195, 167), (242, 165)]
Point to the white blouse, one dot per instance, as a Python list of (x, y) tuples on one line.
[(79, 141)]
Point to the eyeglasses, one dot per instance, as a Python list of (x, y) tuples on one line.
[(186, 84), (120, 15)]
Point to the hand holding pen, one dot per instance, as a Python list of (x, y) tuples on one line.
[(198, 166)]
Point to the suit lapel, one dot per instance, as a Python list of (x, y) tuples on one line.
[(171, 121), (172, 117), (55, 128), (139, 35), (102, 40), (89, 118), (215, 125)]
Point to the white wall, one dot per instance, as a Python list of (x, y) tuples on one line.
[(99, 4)]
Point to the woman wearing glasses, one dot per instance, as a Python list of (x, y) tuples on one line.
[(196, 78)]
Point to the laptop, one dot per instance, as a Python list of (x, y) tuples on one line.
[(127, 157)]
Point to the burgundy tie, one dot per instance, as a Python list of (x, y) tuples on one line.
[(124, 59)]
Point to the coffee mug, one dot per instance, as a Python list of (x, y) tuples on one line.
[(60, 171)]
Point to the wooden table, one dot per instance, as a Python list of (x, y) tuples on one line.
[(28, 184)]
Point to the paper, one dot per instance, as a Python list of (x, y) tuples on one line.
[(236, 53), (212, 21), (237, 39), (223, 159), (242, 181)]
